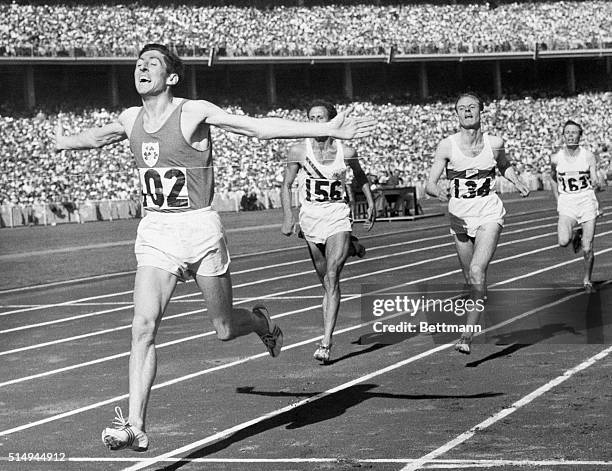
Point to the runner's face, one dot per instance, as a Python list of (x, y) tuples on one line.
[(571, 135), (150, 74), (468, 110), (318, 114)]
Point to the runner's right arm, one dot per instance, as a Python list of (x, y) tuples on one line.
[(441, 158), (96, 137), (291, 171), (553, 176)]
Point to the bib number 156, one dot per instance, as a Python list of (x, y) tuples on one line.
[(323, 190)]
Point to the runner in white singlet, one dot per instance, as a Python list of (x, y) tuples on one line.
[(476, 212), (320, 167), (574, 171)]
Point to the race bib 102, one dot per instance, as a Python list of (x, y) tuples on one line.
[(164, 188)]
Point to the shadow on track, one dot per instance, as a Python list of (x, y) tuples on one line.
[(326, 408)]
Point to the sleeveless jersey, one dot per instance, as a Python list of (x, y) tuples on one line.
[(573, 174), (174, 177), (321, 184), (471, 177)]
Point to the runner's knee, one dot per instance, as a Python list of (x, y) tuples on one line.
[(477, 274), (332, 279), (143, 329)]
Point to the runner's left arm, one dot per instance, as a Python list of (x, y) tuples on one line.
[(364, 184), (592, 159), (341, 127)]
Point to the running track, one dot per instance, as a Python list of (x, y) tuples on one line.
[(415, 404)]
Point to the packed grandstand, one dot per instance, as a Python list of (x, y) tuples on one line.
[(49, 29), (406, 139), (408, 130)]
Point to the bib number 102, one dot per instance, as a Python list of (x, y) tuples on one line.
[(323, 190), (164, 187)]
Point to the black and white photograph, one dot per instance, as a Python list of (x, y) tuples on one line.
[(306, 235)]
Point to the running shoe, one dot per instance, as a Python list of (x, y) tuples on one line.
[(356, 249), (463, 345), (322, 353), (577, 240), (123, 436), (273, 340)]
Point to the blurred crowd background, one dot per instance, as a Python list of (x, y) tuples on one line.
[(403, 145), (249, 172), (194, 28)]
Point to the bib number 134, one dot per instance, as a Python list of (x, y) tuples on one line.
[(470, 188), (164, 188)]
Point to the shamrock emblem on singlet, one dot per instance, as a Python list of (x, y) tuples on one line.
[(150, 153)]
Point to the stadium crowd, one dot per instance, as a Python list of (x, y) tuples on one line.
[(194, 29), (403, 146)]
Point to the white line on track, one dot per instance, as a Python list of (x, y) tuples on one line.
[(260, 281), (507, 411), (253, 357), (253, 254), (210, 333), (293, 262), (386, 270), (232, 430), (284, 249), (437, 464)]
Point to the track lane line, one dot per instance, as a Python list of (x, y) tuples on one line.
[(252, 254), (266, 267), (264, 354), (294, 290), (241, 285), (508, 410), (210, 333), (230, 431)]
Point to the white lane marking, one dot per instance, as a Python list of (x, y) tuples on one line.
[(295, 345), (174, 342), (264, 280), (234, 257), (507, 411), (230, 431), (31, 326), (439, 464)]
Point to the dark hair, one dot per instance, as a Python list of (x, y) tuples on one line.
[(570, 122), (331, 109), (174, 64), (471, 95)]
